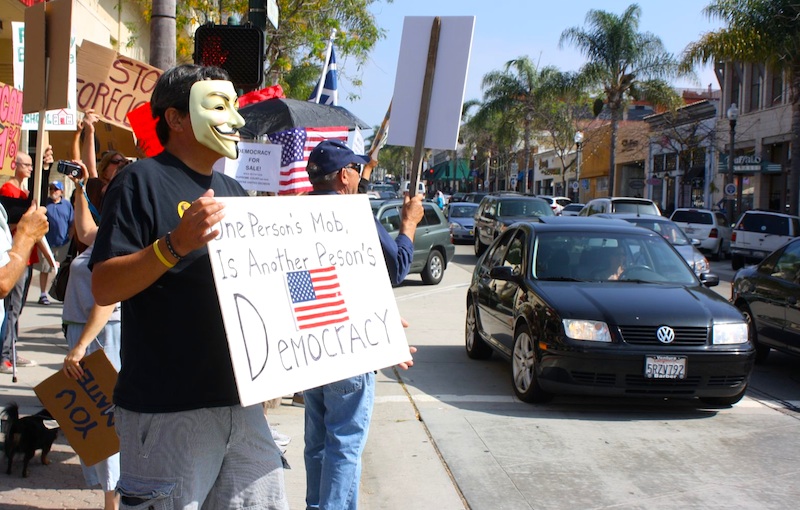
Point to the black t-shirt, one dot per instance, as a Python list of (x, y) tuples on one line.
[(174, 351)]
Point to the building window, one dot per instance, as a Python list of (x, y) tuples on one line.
[(671, 162), (755, 87), (658, 163), (602, 184), (776, 89)]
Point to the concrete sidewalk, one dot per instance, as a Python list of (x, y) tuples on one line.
[(402, 468)]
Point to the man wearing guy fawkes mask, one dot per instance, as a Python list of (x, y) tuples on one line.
[(176, 386)]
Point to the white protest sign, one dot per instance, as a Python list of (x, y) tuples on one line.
[(257, 168), (449, 81), (64, 119), (304, 293)]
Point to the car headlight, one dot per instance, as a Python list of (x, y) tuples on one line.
[(726, 334), (456, 226), (592, 331)]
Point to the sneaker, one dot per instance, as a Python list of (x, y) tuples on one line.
[(280, 439), (5, 367), (298, 400), (24, 362), (43, 300)]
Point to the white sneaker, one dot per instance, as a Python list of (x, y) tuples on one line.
[(281, 440)]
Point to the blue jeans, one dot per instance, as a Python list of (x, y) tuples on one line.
[(337, 418)]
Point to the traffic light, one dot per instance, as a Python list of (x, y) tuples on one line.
[(239, 49)]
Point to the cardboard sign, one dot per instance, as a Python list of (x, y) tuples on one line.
[(48, 29), (10, 126), (112, 84), (62, 119), (304, 293), (83, 408), (257, 168), (449, 81)]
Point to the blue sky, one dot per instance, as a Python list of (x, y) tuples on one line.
[(507, 29)]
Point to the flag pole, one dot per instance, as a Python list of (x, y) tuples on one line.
[(321, 83), (377, 143)]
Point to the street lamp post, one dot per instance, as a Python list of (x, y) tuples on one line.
[(578, 145), (733, 115)]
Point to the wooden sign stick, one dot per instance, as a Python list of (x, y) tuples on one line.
[(424, 107)]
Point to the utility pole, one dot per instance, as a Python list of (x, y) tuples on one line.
[(162, 34)]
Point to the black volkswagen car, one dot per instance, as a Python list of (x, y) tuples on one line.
[(768, 295), (598, 307)]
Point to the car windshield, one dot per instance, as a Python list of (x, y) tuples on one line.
[(462, 211), (668, 231), (523, 208), (603, 257), (621, 206)]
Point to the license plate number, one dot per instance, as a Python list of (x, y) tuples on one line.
[(689, 230), (665, 367)]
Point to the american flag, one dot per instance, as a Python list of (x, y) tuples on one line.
[(316, 299), (297, 145)]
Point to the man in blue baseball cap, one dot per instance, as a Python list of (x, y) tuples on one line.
[(337, 415)]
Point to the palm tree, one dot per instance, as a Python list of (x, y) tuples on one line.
[(625, 63), (162, 34), (758, 31), (516, 93)]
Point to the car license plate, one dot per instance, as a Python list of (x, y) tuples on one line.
[(665, 367), (689, 230)]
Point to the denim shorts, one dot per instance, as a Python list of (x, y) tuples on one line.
[(213, 458)]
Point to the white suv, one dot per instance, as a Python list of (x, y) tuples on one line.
[(711, 228), (759, 233)]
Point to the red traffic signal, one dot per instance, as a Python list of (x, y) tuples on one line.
[(235, 48)]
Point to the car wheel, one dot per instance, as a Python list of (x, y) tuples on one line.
[(479, 246), (434, 270), (717, 255), (725, 401), (762, 351), (523, 369), (476, 347), (737, 262)]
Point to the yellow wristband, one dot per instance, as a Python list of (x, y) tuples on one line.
[(161, 256)]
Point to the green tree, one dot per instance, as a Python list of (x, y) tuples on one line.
[(625, 63), (297, 47), (516, 94), (758, 31)]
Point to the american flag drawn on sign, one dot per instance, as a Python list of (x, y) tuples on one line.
[(297, 144), (316, 299)]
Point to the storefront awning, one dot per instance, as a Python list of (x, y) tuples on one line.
[(448, 171)]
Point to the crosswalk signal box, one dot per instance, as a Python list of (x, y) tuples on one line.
[(239, 49)]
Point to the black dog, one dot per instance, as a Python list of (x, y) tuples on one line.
[(26, 435)]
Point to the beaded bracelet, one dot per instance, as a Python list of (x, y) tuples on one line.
[(169, 246), (161, 256)]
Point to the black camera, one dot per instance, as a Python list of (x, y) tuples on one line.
[(69, 168)]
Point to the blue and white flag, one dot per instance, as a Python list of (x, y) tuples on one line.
[(330, 94)]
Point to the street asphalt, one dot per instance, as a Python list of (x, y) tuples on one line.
[(401, 466)]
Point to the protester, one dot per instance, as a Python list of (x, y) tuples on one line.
[(60, 216), (14, 255), (176, 385), (337, 415), (15, 300), (90, 327)]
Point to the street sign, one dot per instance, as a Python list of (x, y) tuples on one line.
[(575, 186), (730, 190)]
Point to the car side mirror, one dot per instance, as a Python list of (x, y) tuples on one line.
[(709, 279), (505, 273), (695, 242)]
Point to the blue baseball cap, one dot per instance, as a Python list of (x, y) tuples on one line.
[(330, 156), (57, 185)]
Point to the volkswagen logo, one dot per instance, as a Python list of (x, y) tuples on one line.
[(665, 334)]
